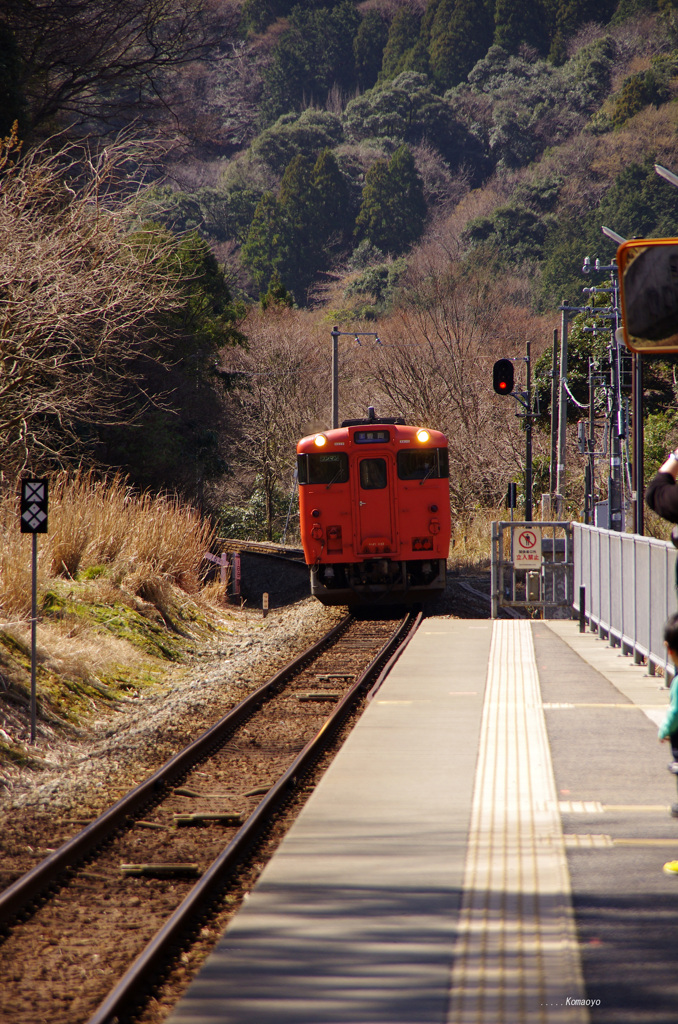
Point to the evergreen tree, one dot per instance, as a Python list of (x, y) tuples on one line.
[(287, 242), (313, 54), (427, 21), (393, 210), (373, 220), (276, 294), (461, 34), (402, 37), (298, 204), (563, 17), (332, 213), (409, 212), (520, 21), (261, 252), (257, 15), (368, 48)]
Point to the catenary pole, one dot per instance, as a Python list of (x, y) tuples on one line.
[(335, 377), (562, 408), (554, 415), (528, 443), (638, 443)]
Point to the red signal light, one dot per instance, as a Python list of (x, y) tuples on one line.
[(502, 377)]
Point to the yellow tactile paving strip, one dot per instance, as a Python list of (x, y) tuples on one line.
[(516, 958)]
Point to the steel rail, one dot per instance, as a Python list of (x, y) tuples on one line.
[(30, 886), (419, 615), (126, 992)]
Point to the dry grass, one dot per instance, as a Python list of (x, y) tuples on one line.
[(471, 540), (101, 529), (119, 596), (472, 536)]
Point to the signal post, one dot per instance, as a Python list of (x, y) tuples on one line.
[(33, 517), (503, 382)]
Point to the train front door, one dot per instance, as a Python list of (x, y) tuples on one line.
[(375, 511)]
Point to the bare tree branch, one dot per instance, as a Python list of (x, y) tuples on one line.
[(92, 59), (80, 302)]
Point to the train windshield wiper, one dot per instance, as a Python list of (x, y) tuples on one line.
[(428, 473), (334, 478)]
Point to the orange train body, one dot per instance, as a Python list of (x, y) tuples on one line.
[(375, 512)]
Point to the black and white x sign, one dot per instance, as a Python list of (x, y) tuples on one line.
[(34, 506)]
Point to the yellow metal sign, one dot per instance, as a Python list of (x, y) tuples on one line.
[(648, 284)]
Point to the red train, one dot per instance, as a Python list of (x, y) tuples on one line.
[(375, 511)]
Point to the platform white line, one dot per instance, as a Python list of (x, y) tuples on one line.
[(516, 958)]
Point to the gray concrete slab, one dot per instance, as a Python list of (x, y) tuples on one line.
[(633, 681), (614, 794), (354, 918), (366, 912)]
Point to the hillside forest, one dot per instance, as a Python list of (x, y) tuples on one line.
[(193, 193)]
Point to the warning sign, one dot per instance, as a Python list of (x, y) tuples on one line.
[(527, 547)]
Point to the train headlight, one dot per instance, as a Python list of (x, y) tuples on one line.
[(423, 436), (320, 440)]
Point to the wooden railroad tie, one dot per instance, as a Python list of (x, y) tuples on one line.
[(318, 697), (257, 791), (186, 870), (184, 820)]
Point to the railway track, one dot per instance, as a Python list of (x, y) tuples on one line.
[(89, 926)]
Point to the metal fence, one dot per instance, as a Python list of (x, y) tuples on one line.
[(628, 589), (540, 582)]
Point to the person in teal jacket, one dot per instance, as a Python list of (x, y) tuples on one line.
[(668, 730)]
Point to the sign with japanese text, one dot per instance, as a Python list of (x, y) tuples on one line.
[(527, 547)]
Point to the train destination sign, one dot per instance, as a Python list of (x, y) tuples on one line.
[(648, 284), (527, 547)]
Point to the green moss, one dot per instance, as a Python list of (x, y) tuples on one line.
[(66, 699), (123, 679), (16, 754), (130, 625), (16, 648), (93, 572)]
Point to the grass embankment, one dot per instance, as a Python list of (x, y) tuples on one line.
[(119, 598)]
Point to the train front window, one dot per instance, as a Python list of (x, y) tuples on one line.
[(422, 464), (328, 468), (373, 474)]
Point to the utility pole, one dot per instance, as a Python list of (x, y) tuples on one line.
[(335, 377), (637, 467), (336, 333), (562, 412), (528, 441), (590, 474), (617, 431), (555, 392)]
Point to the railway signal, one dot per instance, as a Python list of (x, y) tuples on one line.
[(33, 506), (502, 376), (33, 520), (503, 381)]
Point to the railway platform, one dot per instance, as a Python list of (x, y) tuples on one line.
[(486, 848)]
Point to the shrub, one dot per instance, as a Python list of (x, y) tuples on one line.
[(294, 134)]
